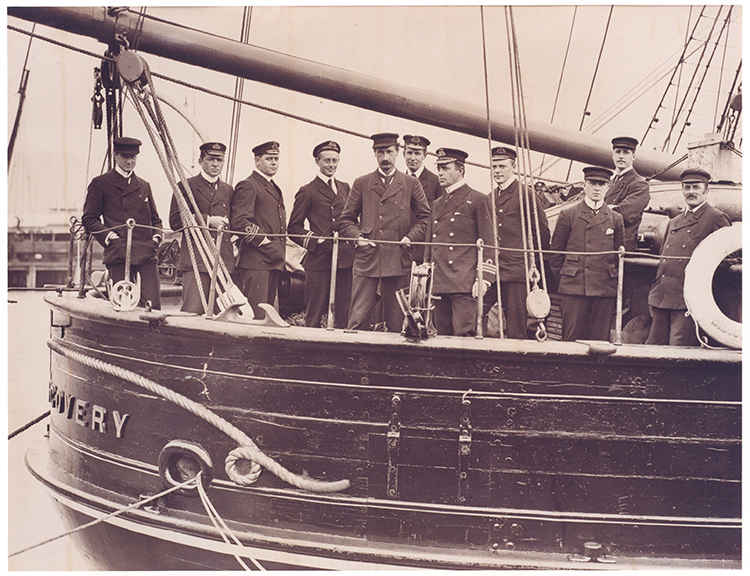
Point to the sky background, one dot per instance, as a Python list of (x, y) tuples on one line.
[(436, 48)]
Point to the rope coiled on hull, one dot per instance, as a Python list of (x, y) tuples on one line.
[(247, 449)]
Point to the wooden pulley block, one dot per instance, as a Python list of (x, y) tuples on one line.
[(538, 304)]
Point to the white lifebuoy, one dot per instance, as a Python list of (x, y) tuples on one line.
[(699, 275)]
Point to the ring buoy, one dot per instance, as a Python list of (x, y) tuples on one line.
[(699, 275)]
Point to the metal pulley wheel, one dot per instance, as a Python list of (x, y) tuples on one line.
[(125, 295), (130, 65), (538, 304)]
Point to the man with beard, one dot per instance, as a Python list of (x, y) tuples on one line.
[(320, 202), (259, 210), (628, 193), (214, 200), (670, 325), (379, 207)]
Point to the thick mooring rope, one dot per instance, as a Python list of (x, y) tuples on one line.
[(247, 447)]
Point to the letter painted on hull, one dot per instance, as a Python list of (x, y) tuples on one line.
[(94, 417)]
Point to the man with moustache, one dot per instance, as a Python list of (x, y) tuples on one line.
[(511, 264), (379, 207), (115, 197), (460, 216), (320, 202), (415, 152), (214, 200), (670, 325), (258, 211), (628, 193), (588, 284)]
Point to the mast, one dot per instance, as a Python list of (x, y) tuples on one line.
[(284, 71)]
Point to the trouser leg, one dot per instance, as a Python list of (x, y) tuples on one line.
[(601, 314), (260, 286), (364, 296), (682, 329), (394, 317), (317, 287), (660, 326), (464, 315), (443, 314), (514, 305), (343, 297), (574, 310)]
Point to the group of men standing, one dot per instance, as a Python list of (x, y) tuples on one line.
[(389, 219)]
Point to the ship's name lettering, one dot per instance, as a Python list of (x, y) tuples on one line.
[(85, 414)]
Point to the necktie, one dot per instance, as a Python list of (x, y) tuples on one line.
[(330, 184)]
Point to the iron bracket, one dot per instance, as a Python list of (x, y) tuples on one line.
[(394, 440), (464, 451)]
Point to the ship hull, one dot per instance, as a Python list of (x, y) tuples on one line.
[(460, 452)]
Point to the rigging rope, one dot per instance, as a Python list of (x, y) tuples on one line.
[(222, 528), (106, 517), (219, 94), (559, 82), (239, 86), (28, 425), (724, 26), (593, 80), (501, 326)]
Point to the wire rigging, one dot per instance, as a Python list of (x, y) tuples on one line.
[(239, 86)]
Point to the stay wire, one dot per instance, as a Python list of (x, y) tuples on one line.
[(501, 327), (105, 518)]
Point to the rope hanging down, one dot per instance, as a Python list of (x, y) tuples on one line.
[(142, 93), (537, 300)]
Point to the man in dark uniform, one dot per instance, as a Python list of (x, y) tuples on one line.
[(115, 197), (214, 200), (460, 216), (588, 284), (509, 235), (258, 210), (379, 207), (415, 152), (699, 219), (628, 193), (320, 202)]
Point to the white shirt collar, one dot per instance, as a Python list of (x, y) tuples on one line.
[(453, 187), (505, 185), (418, 173), (694, 210), (325, 180), (209, 179), (623, 172), (383, 174), (122, 173), (593, 205), (264, 176)]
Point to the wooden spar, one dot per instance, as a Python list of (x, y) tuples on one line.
[(269, 67)]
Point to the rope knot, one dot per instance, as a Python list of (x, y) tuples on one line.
[(241, 467)]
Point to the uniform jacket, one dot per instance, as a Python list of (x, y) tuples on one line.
[(508, 209), (111, 197), (629, 196), (378, 213), (317, 203), (458, 218), (431, 186), (684, 233), (257, 201), (211, 202), (579, 229)]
